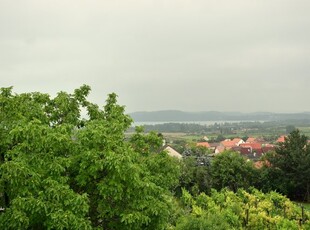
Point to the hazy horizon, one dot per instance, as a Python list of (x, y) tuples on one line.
[(177, 110), (201, 55)]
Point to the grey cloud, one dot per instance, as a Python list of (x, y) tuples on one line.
[(180, 54)]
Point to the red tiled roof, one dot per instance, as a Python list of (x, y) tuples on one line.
[(228, 144), (268, 148), (237, 140), (204, 144), (258, 151), (281, 139), (214, 145), (245, 150), (236, 148), (252, 145), (251, 139), (268, 145), (220, 149)]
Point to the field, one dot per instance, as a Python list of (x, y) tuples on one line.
[(191, 132)]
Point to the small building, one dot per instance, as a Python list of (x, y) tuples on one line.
[(251, 140), (219, 149), (172, 152), (213, 146), (238, 141), (228, 144), (204, 144), (281, 139), (255, 140), (267, 148)]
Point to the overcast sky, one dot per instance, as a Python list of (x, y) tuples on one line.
[(190, 55)]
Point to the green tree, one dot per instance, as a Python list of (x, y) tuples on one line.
[(59, 170), (36, 148), (290, 128), (219, 138), (289, 167), (122, 179), (194, 177), (229, 169)]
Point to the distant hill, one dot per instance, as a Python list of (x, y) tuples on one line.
[(176, 115)]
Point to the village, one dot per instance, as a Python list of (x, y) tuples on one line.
[(253, 148)]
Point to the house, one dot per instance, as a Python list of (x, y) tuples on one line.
[(267, 148), (252, 150), (213, 146), (255, 147), (204, 144), (251, 140), (255, 140), (246, 150), (238, 141), (228, 144), (236, 148), (219, 149), (281, 139), (172, 152)]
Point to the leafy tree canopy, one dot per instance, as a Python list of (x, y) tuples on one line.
[(241, 210), (289, 170), (62, 170), (229, 169)]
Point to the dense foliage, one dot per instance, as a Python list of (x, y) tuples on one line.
[(63, 169), (240, 210), (289, 171), (231, 170)]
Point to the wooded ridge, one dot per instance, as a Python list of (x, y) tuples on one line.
[(176, 115)]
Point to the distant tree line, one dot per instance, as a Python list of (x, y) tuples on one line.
[(271, 128)]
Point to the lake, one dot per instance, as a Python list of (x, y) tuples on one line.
[(141, 123)]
